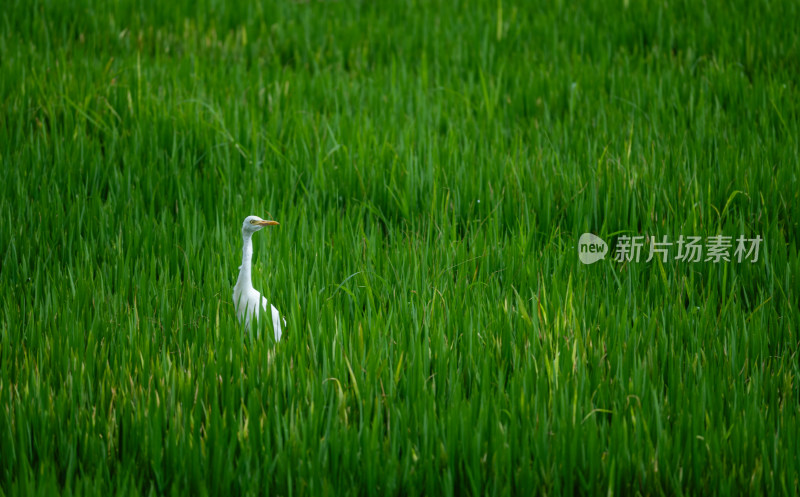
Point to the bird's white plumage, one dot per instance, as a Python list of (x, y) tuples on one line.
[(247, 300)]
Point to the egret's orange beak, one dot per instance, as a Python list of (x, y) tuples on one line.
[(267, 223)]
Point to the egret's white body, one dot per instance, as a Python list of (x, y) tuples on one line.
[(246, 299)]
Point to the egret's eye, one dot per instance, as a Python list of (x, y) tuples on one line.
[(252, 221)]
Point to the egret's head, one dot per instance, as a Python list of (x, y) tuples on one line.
[(254, 223)]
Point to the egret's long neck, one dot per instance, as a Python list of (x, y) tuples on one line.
[(247, 257)]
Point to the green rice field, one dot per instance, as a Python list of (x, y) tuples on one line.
[(433, 165)]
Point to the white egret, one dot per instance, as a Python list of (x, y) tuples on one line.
[(246, 299)]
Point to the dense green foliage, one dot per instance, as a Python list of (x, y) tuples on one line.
[(432, 165)]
